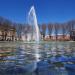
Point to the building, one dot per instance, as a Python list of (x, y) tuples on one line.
[(7, 34), (72, 35), (59, 37)]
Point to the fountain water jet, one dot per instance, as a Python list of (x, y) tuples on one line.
[(32, 21)]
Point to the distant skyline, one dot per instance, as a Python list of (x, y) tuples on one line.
[(46, 10)]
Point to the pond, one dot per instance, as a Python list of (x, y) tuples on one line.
[(47, 58)]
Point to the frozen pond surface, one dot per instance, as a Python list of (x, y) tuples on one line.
[(45, 58)]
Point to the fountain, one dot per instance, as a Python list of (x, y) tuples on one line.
[(34, 33), (32, 20)]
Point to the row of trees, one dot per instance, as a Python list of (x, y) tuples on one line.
[(56, 28), (51, 28)]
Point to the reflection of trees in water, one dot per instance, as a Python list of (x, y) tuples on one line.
[(62, 48), (54, 50), (26, 53), (44, 50), (7, 57), (71, 49), (23, 56), (6, 51)]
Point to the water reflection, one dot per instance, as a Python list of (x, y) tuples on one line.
[(54, 58)]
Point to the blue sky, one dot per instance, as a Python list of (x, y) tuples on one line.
[(46, 10)]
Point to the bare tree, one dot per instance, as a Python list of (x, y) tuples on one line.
[(6, 25), (13, 29), (19, 29), (69, 27), (27, 30), (64, 29), (43, 30), (56, 27), (50, 27)]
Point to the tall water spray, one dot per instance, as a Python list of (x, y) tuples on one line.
[(32, 21)]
